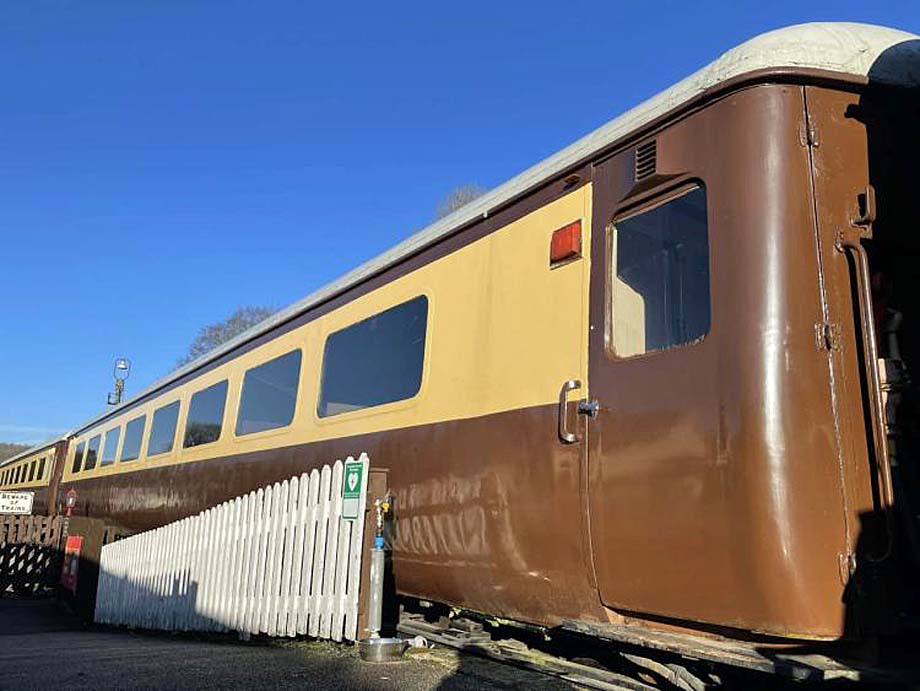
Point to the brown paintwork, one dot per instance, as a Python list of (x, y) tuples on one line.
[(724, 480), (501, 531), (57, 471), (703, 506), (862, 139)]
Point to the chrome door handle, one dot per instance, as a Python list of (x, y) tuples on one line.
[(564, 434)]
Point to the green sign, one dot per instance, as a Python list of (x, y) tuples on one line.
[(352, 487)]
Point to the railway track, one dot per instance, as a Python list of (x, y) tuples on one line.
[(471, 637), (592, 659)]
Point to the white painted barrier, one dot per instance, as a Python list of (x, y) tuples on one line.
[(281, 560)]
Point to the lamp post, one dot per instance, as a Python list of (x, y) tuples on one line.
[(120, 372)]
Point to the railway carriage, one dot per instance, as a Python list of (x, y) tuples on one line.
[(657, 380), (33, 471)]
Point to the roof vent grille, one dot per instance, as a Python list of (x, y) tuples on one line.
[(646, 155)]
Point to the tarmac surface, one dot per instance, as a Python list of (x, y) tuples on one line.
[(42, 646)]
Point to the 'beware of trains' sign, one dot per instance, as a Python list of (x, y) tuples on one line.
[(16, 502), (351, 490)]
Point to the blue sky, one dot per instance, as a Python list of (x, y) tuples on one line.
[(162, 163)]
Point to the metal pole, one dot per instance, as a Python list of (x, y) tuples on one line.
[(375, 606), (374, 648)]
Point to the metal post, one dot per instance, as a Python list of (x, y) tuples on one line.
[(374, 648), (375, 608)]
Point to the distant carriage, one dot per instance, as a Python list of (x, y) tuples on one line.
[(653, 380)]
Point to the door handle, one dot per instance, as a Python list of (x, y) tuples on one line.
[(564, 434)]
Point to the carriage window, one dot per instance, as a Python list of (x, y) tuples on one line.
[(269, 394), (32, 470), (205, 415), (163, 429), (661, 276), (41, 469), (134, 432), (92, 452), (110, 445), (78, 458), (376, 361)]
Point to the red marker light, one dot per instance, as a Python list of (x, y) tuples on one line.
[(566, 243)]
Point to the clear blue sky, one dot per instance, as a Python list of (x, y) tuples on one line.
[(162, 163)]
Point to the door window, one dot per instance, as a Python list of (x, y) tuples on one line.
[(660, 275)]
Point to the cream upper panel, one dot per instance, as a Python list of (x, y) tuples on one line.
[(505, 330), (42, 473)]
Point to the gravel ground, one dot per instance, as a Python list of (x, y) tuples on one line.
[(42, 647)]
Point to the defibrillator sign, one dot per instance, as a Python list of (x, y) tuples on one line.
[(352, 489)]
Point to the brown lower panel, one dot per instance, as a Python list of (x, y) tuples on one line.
[(488, 511), (40, 503)]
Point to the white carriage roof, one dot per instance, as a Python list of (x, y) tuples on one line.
[(846, 48)]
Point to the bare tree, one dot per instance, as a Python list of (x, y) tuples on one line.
[(458, 197), (212, 335), (8, 450)]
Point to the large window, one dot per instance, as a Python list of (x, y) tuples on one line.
[(205, 415), (109, 446), (134, 433), (92, 452), (660, 282), (269, 394), (376, 361), (78, 457), (163, 429)]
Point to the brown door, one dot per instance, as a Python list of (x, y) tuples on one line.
[(714, 484), (650, 368), (841, 173)]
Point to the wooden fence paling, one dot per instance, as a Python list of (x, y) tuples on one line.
[(280, 560), (30, 553)]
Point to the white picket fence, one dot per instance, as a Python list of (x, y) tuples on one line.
[(280, 560)]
